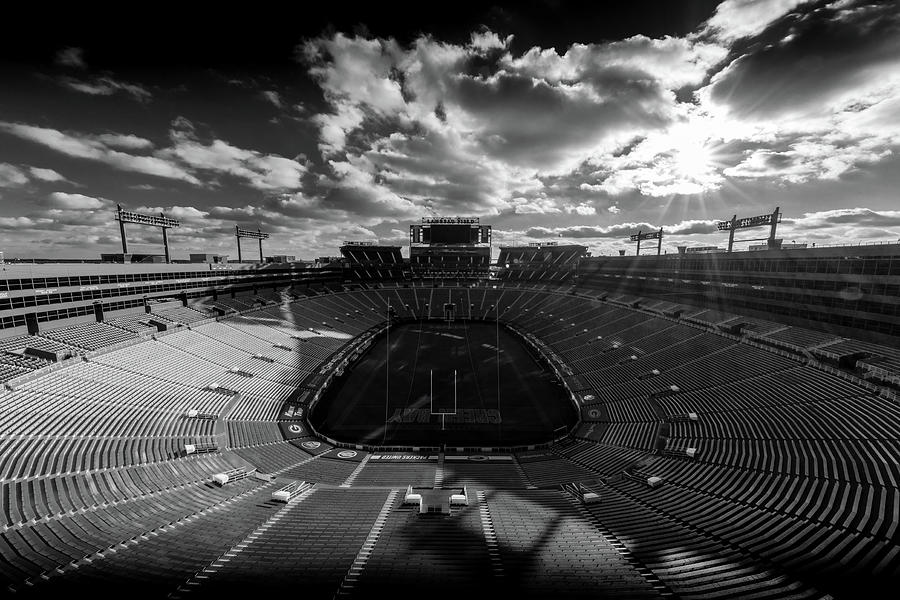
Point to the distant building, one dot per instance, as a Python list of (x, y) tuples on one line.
[(324, 261), (133, 258), (699, 249), (791, 246), (212, 259), (281, 258)]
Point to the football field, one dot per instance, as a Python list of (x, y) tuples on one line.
[(436, 383)]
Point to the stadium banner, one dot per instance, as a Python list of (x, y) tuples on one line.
[(345, 454), (293, 430), (291, 411), (478, 457), (313, 446), (402, 458), (746, 222)]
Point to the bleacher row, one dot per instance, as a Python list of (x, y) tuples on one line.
[(95, 433), (786, 452)]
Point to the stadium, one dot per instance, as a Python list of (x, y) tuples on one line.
[(184, 430), (527, 300)]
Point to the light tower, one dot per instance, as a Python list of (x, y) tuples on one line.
[(734, 224), (652, 235), (246, 233), (162, 221)]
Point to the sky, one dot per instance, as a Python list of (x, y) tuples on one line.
[(551, 121)]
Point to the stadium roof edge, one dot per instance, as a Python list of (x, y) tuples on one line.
[(850, 251)]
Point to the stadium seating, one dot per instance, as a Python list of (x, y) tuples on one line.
[(548, 549), (310, 546), (184, 315), (495, 475), (109, 549), (396, 474), (140, 323), (792, 491), (90, 336)]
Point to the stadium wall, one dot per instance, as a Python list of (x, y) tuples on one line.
[(56, 295), (851, 291)]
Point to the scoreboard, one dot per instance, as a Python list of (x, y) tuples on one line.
[(463, 231), (450, 234)]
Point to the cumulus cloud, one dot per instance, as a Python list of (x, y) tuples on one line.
[(736, 19), (422, 123), (48, 175), (12, 176), (266, 172), (815, 96), (478, 129), (107, 86), (353, 189), (857, 217), (537, 206), (273, 98), (71, 57), (69, 201), (88, 147), (622, 230), (511, 113), (553, 127), (488, 40), (23, 223), (355, 74), (183, 160), (670, 61), (845, 225), (767, 97), (679, 159), (182, 213), (824, 63), (805, 160), (445, 172), (581, 209), (124, 141)]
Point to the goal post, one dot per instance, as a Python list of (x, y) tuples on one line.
[(443, 413), (449, 312)]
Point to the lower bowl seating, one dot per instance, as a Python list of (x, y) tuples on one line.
[(703, 466)]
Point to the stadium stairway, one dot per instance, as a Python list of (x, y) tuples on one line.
[(307, 548), (148, 545)]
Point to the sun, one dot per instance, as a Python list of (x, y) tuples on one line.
[(693, 160), (690, 149)]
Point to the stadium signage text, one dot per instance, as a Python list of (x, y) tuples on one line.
[(745, 222), (410, 457), (653, 235)]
